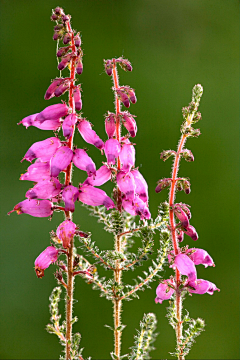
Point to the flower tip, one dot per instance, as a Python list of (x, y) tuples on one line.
[(39, 272)]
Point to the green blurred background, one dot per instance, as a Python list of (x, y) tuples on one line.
[(172, 45)]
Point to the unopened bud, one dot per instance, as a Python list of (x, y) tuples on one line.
[(62, 51), (58, 27), (54, 17), (66, 18), (186, 187), (62, 88), (179, 185), (50, 91), (79, 66), (132, 96), (188, 155), (58, 10), (77, 98), (123, 97), (77, 40), (110, 125), (67, 39), (197, 117), (165, 154), (65, 60), (163, 184), (57, 35), (108, 67), (125, 64), (195, 132)]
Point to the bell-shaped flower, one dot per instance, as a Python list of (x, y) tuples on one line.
[(201, 286), (128, 207), (82, 161), (77, 98), (132, 96), (79, 66), (200, 256), (37, 172), (37, 208), (90, 135), (181, 215), (69, 196), (185, 266), (126, 184), (65, 232), (127, 156), (141, 185), (53, 112), (164, 291), (103, 174), (141, 208), (60, 160), (46, 125), (110, 125), (43, 150), (64, 62), (45, 259), (191, 231), (61, 89), (129, 123), (123, 97), (112, 149), (68, 125), (45, 189), (50, 91), (95, 197)]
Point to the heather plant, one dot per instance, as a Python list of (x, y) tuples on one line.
[(125, 214)]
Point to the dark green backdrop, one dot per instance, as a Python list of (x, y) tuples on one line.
[(172, 45)]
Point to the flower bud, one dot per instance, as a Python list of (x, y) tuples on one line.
[(43, 150), (58, 11), (123, 97), (126, 184), (141, 208), (132, 96), (45, 189), (201, 286), (103, 174), (63, 50), (65, 232), (68, 125), (37, 208), (188, 155), (77, 98), (77, 40), (79, 65), (51, 89), (191, 231), (127, 156), (65, 61), (180, 235), (82, 161), (129, 123), (45, 259), (69, 196), (57, 35), (53, 112), (60, 160), (95, 197), (110, 125), (164, 291), (186, 187), (108, 67), (66, 18), (141, 186), (125, 64), (112, 149), (181, 215), (166, 154), (163, 184), (61, 89), (67, 38), (54, 17), (90, 135), (200, 256), (185, 266), (37, 172)]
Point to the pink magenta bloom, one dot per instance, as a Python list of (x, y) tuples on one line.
[(127, 156), (37, 208), (191, 231), (129, 123), (68, 125), (185, 266), (90, 135), (45, 259), (61, 89), (201, 286), (69, 196), (200, 256), (95, 197), (53, 112), (46, 125), (181, 215), (141, 185), (77, 98), (110, 125), (65, 232), (43, 150), (164, 291), (112, 149), (60, 160), (141, 208), (50, 91), (82, 161), (126, 184), (37, 172), (123, 97), (45, 189), (103, 174)]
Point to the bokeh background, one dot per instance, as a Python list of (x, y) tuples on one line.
[(172, 45)]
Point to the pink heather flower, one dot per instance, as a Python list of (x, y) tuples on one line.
[(110, 125), (77, 98), (43, 150), (65, 61), (123, 97), (185, 266), (112, 149), (65, 232), (45, 189), (77, 40), (37, 172), (79, 66), (127, 156), (200, 286), (53, 112), (66, 38), (62, 51), (181, 215), (200, 256), (50, 91), (129, 123), (180, 235), (90, 135), (82, 161), (95, 197), (108, 67), (45, 259), (46, 125), (60, 160), (132, 96), (191, 231), (68, 125), (128, 207), (103, 174), (163, 184), (164, 291), (69, 196), (126, 184), (141, 208), (37, 208), (141, 185), (61, 89)]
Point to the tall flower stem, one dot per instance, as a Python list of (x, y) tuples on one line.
[(117, 271), (68, 214)]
